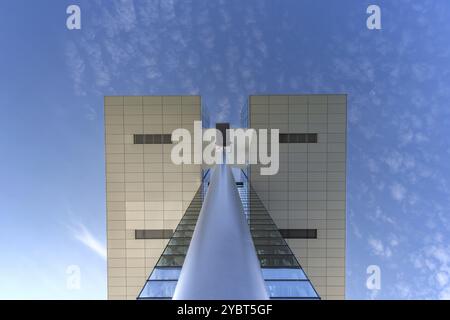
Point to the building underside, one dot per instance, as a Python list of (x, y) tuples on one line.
[(295, 219)]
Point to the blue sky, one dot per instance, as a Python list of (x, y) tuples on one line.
[(52, 83)]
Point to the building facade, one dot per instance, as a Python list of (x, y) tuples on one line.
[(307, 197), (147, 195)]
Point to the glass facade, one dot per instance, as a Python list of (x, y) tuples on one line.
[(163, 279), (283, 275)]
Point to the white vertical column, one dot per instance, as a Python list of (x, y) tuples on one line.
[(221, 261)]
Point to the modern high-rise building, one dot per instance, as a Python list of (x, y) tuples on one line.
[(296, 218)]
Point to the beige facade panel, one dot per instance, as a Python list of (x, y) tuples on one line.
[(144, 190), (309, 191)]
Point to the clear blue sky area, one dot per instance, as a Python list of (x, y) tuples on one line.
[(52, 83)]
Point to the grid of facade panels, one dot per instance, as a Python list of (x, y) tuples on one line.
[(284, 277), (164, 277), (145, 190), (309, 190)]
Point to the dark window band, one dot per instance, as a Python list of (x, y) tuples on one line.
[(298, 137), (299, 233), (152, 139), (153, 234)]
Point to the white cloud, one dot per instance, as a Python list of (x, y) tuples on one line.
[(381, 217), (82, 234), (398, 162), (441, 254), (433, 262), (393, 242), (442, 278), (99, 67), (77, 68), (379, 249), (403, 290), (125, 14), (398, 192), (90, 113)]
